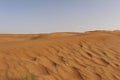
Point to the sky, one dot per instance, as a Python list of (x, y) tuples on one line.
[(44, 16)]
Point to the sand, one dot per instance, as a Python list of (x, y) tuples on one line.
[(93, 55)]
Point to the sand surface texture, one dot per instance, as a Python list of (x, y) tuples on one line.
[(60, 56)]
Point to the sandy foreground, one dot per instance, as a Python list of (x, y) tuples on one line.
[(60, 56)]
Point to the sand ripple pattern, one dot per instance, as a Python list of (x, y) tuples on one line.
[(61, 56)]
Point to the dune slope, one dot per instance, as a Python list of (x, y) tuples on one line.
[(61, 56)]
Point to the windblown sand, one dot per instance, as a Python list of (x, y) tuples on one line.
[(61, 56)]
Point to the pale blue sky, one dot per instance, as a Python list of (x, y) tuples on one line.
[(41, 16)]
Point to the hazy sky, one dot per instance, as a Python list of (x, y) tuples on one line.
[(40, 16)]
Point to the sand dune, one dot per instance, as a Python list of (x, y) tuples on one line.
[(61, 56)]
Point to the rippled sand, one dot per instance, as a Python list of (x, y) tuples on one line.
[(61, 56)]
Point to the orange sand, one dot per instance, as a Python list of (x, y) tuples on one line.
[(61, 56)]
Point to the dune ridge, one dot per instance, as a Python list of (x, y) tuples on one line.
[(61, 56)]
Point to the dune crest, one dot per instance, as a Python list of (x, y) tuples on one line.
[(61, 56)]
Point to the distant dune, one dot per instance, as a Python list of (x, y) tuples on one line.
[(93, 55)]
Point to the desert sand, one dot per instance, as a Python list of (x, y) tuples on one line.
[(93, 55)]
